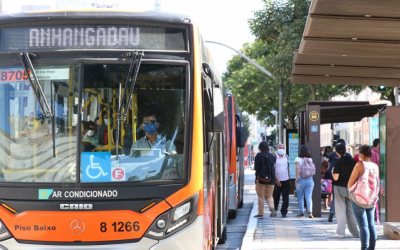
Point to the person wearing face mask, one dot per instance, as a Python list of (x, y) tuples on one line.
[(282, 181), (91, 137), (152, 139)]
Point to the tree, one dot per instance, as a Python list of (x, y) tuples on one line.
[(278, 29), (388, 95)]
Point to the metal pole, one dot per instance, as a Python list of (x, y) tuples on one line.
[(281, 113), (396, 96), (276, 125), (245, 57)]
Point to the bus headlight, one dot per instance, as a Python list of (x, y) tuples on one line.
[(182, 211), (174, 219), (4, 233)]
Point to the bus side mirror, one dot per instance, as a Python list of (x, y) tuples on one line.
[(208, 70)]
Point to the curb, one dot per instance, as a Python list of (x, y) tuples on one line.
[(251, 227)]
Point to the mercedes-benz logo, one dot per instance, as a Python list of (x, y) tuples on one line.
[(77, 226)]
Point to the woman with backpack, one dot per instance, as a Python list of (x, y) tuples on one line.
[(305, 169), (364, 182), (265, 179)]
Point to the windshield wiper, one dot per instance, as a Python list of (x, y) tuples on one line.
[(129, 87), (26, 62)]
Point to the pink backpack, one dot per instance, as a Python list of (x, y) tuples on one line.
[(365, 191), (307, 168)]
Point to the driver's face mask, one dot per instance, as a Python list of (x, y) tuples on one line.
[(150, 127)]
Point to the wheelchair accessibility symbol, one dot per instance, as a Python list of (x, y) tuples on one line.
[(96, 166)]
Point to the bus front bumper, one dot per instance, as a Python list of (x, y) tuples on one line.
[(189, 238)]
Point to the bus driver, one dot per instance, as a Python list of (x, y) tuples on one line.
[(152, 139)]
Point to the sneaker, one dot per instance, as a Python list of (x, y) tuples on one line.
[(355, 236), (273, 212), (284, 216), (300, 215), (310, 215), (331, 214), (337, 236), (258, 216)]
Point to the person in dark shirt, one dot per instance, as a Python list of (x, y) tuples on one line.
[(265, 179), (341, 174), (333, 158)]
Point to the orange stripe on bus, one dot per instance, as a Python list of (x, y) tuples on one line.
[(147, 207), (9, 208)]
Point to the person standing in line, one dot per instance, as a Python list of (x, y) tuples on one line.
[(282, 181), (265, 179), (324, 168), (333, 157), (357, 156), (364, 217), (341, 174), (375, 158), (375, 153), (304, 186)]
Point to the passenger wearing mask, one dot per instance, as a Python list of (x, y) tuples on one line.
[(343, 208), (91, 136), (152, 139), (282, 181)]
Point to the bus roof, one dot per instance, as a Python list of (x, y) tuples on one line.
[(93, 14)]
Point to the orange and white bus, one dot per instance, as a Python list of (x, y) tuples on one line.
[(112, 133), (235, 153)]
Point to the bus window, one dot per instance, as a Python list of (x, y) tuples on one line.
[(151, 141), (35, 148)]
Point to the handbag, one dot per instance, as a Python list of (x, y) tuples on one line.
[(326, 186)]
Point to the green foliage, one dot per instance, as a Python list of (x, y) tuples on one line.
[(278, 29), (388, 95)]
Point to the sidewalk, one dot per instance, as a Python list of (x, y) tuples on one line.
[(301, 233)]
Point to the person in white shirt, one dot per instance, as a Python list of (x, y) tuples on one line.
[(282, 181)]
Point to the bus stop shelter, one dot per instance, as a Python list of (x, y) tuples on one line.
[(322, 112), (353, 42)]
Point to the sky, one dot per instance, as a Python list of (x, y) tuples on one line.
[(223, 21)]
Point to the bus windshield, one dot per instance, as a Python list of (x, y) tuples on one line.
[(151, 138), (33, 148)]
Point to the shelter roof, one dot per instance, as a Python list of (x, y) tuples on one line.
[(334, 112), (353, 42)]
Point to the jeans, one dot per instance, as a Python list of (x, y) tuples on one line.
[(284, 189), (332, 209), (366, 224), (305, 188)]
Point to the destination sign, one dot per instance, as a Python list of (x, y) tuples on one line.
[(92, 37)]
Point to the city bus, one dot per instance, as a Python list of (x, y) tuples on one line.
[(235, 154), (112, 133)]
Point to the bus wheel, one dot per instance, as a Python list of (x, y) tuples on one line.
[(223, 238), (232, 214)]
